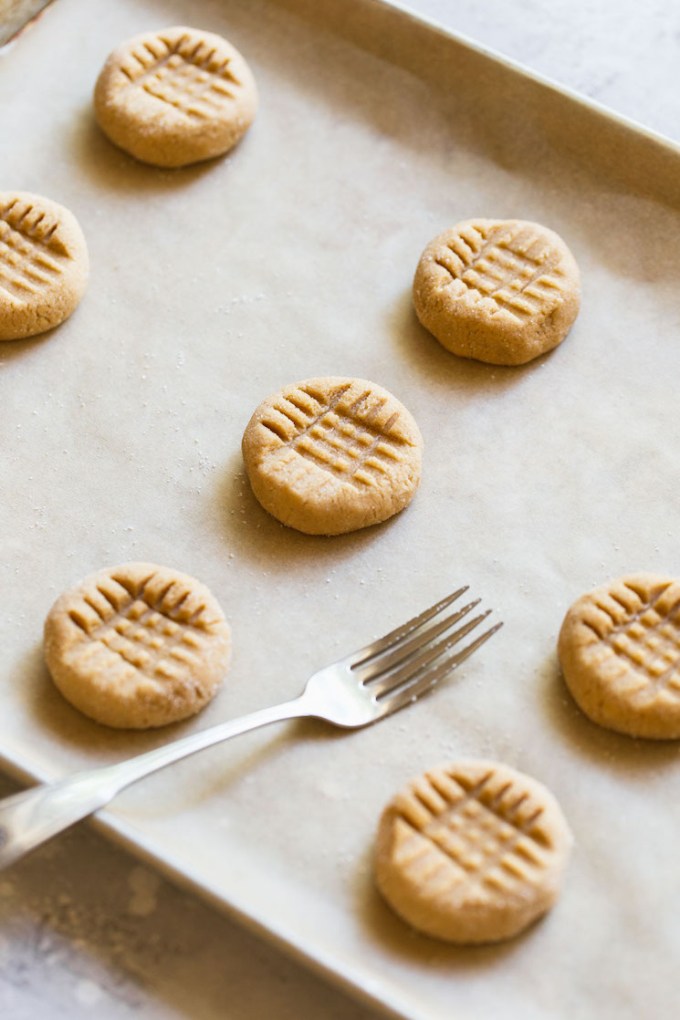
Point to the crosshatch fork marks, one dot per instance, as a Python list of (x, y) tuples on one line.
[(645, 639), (479, 830), (513, 268), (31, 253), (143, 632), (187, 74), (341, 440)]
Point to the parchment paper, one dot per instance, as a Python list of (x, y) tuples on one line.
[(213, 286)]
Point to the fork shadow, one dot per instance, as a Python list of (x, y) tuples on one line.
[(222, 769)]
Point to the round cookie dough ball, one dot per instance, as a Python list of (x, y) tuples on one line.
[(137, 646), (500, 291), (175, 97), (43, 264), (331, 455), (619, 649), (471, 851)]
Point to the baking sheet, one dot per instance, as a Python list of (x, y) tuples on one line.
[(213, 286)]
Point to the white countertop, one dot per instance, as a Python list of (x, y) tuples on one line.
[(84, 928)]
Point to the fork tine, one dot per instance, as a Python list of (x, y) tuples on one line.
[(404, 694), (382, 644), (390, 679), (407, 647)]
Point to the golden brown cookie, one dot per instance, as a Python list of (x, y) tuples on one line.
[(619, 649), (472, 851), (175, 97), (137, 645), (43, 264), (501, 291), (331, 455)]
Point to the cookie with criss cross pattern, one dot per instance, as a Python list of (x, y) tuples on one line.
[(137, 645), (175, 97), (43, 264), (501, 291), (472, 851), (619, 649), (331, 455)]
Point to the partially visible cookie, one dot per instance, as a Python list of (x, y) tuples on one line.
[(137, 645), (500, 291), (472, 851), (619, 649), (43, 264), (331, 455), (175, 97)]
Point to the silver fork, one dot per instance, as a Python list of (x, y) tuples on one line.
[(367, 685)]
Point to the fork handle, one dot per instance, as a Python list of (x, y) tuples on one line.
[(30, 818)]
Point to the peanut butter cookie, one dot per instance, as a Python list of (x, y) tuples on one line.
[(619, 648), (175, 97), (472, 851), (501, 291), (331, 455), (137, 645), (43, 264)]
